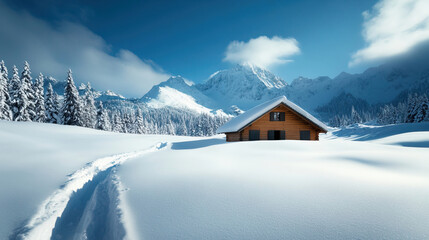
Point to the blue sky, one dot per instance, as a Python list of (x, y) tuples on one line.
[(191, 38)]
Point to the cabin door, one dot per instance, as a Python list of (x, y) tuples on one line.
[(276, 135)]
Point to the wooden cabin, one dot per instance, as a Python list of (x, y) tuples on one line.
[(277, 119)]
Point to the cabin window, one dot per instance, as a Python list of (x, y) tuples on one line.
[(253, 135), (276, 135), (304, 135), (277, 116)]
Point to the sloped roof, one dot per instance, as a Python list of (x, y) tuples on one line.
[(241, 121)]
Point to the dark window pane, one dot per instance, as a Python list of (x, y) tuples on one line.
[(276, 116), (282, 135), (253, 135), (304, 135), (270, 135), (282, 116)]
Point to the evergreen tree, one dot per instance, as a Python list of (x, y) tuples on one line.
[(26, 82), (103, 122), (72, 109), (3, 70), (139, 124), (89, 109), (5, 111), (387, 115), (52, 106), (355, 117), (19, 100), (422, 106), (40, 99), (401, 113), (127, 123), (117, 125), (13, 91), (412, 108)]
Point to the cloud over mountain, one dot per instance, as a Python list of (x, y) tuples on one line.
[(393, 27), (52, 49), (262, 51)]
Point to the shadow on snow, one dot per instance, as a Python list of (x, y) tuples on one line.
[(202, 143)]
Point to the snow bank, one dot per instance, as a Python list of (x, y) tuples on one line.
[(204, 188), (36, 159), (331, 189)]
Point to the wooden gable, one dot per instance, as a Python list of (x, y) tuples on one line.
[(292, 126)]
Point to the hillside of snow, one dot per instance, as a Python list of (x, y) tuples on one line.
[(37, 159), (365, 182)]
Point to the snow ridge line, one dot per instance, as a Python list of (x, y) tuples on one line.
[(43, 222)]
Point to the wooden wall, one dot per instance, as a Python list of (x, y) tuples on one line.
[(233, 137), (292, 125)]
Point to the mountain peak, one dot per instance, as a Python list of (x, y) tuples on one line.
[(174, 80), (343, 75)]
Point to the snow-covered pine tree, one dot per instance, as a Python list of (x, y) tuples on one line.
[(138, 123), (29, 91), (412, 108), (422, 105), (5, 112), (89, 113), (14, 86), (72, 109), (19, 100), (103, 122), (117, 125), (127, 122), (39, 93), (3, 69), (51, 105), (401, 113), (181, 129), (355, 116), (387, 115)]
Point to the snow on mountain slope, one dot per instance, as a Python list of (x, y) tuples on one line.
[(245, 86), (178, 93), (242, 85), (378, 85), (171, 97)]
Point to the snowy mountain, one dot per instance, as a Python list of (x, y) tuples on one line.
[(379, 85), (245, 86), (235, 90), (178, 93), (242, 85), (58, 87), (230, 90)]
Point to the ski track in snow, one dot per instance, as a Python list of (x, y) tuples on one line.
[(40, 226)]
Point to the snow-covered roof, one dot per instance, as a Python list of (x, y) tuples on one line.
[(241, 121)]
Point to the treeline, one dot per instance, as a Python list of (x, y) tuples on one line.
[(22, 99), (412, 110)]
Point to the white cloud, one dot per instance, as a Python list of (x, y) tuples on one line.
[(393, 27), (52, 49), (262, 51)]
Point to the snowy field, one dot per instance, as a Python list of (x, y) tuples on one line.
[(64, 182)]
